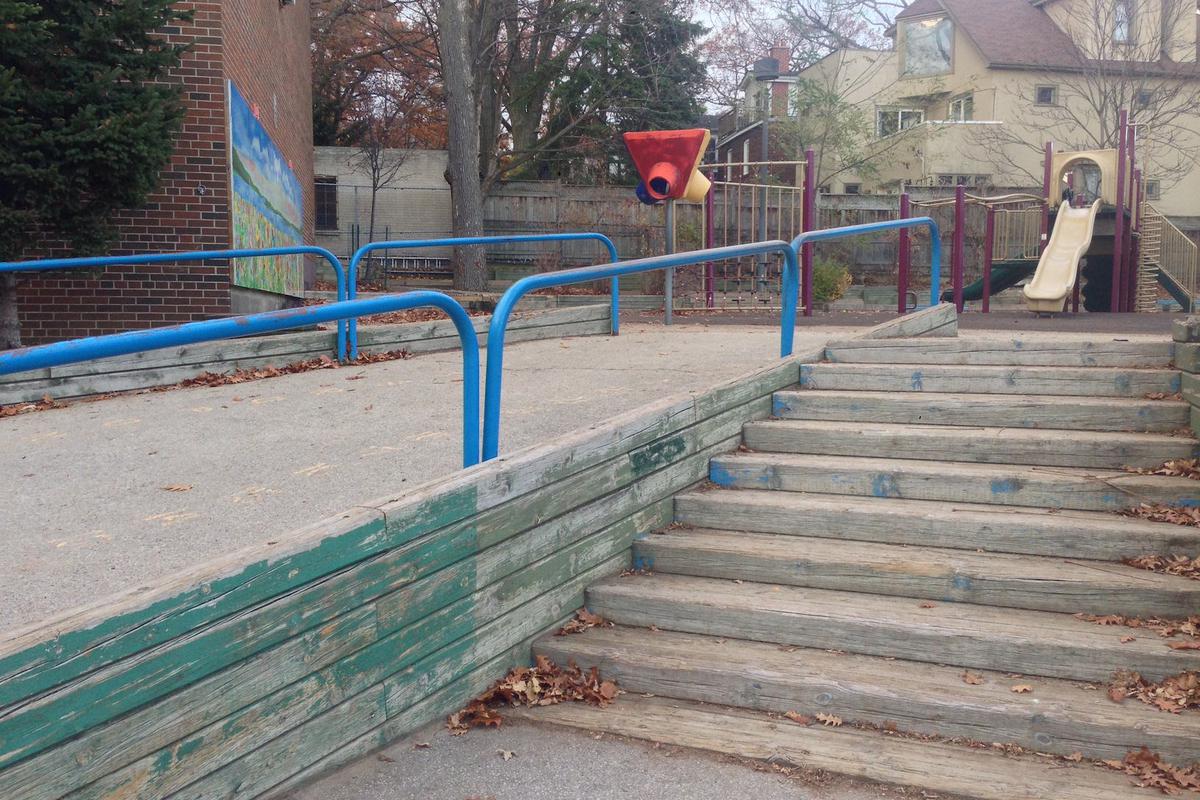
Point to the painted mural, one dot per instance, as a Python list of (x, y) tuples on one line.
[(267, 204)]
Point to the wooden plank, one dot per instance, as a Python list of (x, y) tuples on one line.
[(1010, 411), (417, 626), (75, 643), (978, 637), (956, 770), (967, 526), (948, 575), (1000, 484), (1086, 381), (999, 445), (1003, 352), (1186, 330), (359, 715), (1187, 356), (935, 321), (1056, 717)]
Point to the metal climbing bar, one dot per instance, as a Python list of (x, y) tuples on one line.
[(935, 239), (118, 344), (499, 325), (54, 264), (467, 241)]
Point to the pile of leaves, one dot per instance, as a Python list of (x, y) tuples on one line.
[(1168, 565), (1158, 512), (47, 402), (544, 684), (584, 620), (1179, 468), (1174, 694), (1166, 628), (393, 317), (1150, 771), (321, 362)]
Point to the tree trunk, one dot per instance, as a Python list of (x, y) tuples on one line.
[(10, 321), (369, 272), (462, 111)]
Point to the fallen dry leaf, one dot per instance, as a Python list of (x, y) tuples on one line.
[(928, 605), (583, 621), (1182, 566), (1159, 512), (421, 746), (1128, 639), (1165, 628), (829, 720), (1175, 694), (798, 718), (506, 754), (178, 487), (971, 679), (1184, 645), (1179, 468), (1022, 688), (1150, 771)]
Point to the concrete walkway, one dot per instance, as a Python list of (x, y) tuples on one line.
[(548, 763), (104, 496)]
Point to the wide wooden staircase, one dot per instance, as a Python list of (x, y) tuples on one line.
[(902, 550)]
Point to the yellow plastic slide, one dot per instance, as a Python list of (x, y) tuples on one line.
[(1056, 272)]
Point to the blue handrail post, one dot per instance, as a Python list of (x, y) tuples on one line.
[(117, 344), (493, 386), (462, 241), (887, 225), (53, 264)]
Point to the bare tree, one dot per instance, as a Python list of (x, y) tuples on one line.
[(382, 160), (1126, 55)]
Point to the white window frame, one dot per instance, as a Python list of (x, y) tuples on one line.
[(1153, 189), (1125, 37), (961, 101), (900, 113)]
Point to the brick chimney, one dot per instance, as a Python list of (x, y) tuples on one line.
[(782, 55)]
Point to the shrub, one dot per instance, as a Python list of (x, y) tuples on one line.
[(830, 280)]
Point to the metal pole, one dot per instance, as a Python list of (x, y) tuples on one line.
[(709, 243), (669, 239), (989, 253), (904, 257), (765, 145), (810, 224), (960, 239), (1118, 268), (1047, 180)]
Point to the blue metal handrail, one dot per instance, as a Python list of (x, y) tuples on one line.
[(465, 241), (499, 325), (117, 344), (935, 239), (52, 264)]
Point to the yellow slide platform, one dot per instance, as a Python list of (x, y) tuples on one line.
[(1059, 265)]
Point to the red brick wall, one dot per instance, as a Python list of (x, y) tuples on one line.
[(264, 48)]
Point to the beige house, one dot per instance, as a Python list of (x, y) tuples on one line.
[(972, 90)]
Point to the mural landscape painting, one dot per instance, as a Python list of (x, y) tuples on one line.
[(267, 204)]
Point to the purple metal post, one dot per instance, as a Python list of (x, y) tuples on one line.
[(989, 253), (1118, 268), (958, 260), (809, 225), (905, 259), (1047, 180), (710, 239)]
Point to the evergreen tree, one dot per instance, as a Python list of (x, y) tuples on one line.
[(87, 121)]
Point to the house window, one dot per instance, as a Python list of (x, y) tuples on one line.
[(928, 46), (852, 188), (1046, 95), (326, 203), (1153, 190), (962, 109), (824, 189), (1143, 99), (1123, 23), (890, 121)]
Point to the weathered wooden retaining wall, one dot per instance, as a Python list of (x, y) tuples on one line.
[(244, 677), (165, 367)]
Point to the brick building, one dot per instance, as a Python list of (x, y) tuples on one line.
[(261, 49)]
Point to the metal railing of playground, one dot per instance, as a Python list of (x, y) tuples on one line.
[(117, 344), (466, 241), (138, 259), (496, 332)]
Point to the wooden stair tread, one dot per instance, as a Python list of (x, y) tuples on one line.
[(1002, 484), (978, 774), (992, 350), (946, 524), (1056, 716), (932, 573), (962, 634)]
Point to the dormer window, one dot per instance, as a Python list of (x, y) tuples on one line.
[(1123, 22), (928, 47)]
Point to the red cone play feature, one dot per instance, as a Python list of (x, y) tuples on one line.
[(668, 161)]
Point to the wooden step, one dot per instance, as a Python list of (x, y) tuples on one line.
[(958, 634), (952, 769), (1104, 450), (977, 351), (1006, 580), (1055, 717), (1084, 381), (1009, 411), (1088, 535), (999, 484)]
